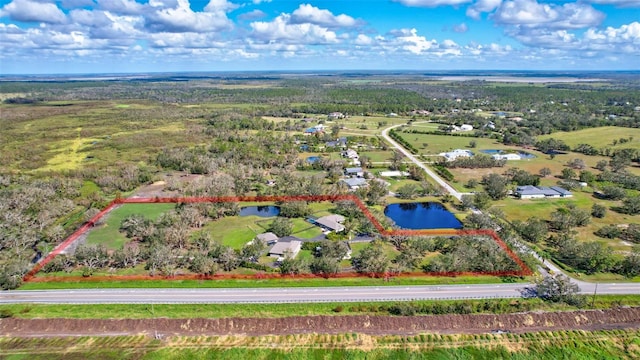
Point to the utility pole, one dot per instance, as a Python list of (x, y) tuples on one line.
[(593, 302)]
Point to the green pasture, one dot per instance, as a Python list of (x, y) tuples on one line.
[(435, 144), (186, 311), (600, 137), (236, 231), (387, 248), (109, 234), (378, 156), (51, 137), (263, 283)]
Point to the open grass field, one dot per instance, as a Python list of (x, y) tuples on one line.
[(60, 136), (387, 248), (600, 137), (523, 209), (261, 283), (428, 144), (109, 234), (236, 231), (568, 344), (185, 311)]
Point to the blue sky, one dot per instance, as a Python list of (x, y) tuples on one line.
[(101, 36)]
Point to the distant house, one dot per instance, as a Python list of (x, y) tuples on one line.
[(331, 222), (268, 238), (420, 112), (354, 171), (315, 130), (540, 192), (394, 173), (287, 245), (336, 115), (350, 154), (507, 156), (341, 143), (454, 154), (354, 183)]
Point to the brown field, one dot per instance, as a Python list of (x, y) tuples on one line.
[(620, 318)]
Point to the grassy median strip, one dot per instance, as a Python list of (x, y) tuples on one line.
[(267, 283), (183, 311)]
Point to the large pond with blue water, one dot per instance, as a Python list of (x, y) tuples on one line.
[(262, 211), (422, 215)]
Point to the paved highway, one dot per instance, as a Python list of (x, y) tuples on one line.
[(284, 295), (433, 175)]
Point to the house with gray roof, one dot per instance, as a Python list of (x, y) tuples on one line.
[(288, 245), (541, 192), (267, 238), (331, 222), (354, 183), (354, 171)]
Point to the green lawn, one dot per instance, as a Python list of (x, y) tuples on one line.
[(377, 156), (185, 311), (388, 249), (109, 235), (263, 283), (436, 144), (599, 137), (236, 231)]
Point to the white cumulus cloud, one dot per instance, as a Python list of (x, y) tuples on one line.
[(482, 6), (533, 14), (306, 13), (182, 19), (281, 29), (33, 11)]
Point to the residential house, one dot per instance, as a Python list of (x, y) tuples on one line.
[(354, 183), (540, 192), (340, 142), (336, 115), (290, 245), (510, 156), (350, 154), (354, 171), (454, 154), (315, 130), (394, 173), (268, 238), (331, 222)]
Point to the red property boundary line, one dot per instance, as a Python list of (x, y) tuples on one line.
[(524, 269)]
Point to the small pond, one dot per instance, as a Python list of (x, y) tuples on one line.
[(262, 211), (424, 215), (313, 159)]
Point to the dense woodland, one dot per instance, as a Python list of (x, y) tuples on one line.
[(238, 151)]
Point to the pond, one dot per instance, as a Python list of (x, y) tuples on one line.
[(424, 215), (313, 159), (262, 211)]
